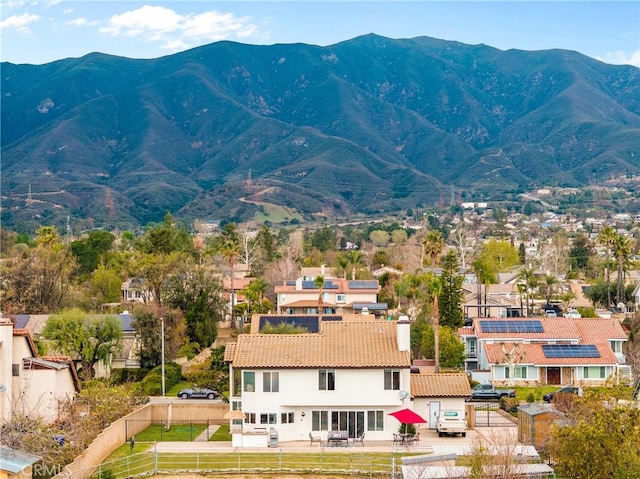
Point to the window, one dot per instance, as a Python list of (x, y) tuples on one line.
[(250, 418), (392, 379), (519, 372), (249, 381), (594, 372), (375, 420), (471, 348), (327, 380), (616, 346), (15, 370), (268, 418), (270, 382), (286, 418), (320, 420), (341, 298)]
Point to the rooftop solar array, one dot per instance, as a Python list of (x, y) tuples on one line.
[(511, 326), (312, 285), (371, 306), (363, 284), (570, 351)]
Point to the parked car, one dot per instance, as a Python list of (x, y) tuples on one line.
[(573, 313), (488, 391), (451, 423), (198, 393), (565, 390)]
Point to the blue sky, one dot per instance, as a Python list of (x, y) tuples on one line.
[(33, 31)]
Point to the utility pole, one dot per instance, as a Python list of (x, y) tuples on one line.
[(162, 352)]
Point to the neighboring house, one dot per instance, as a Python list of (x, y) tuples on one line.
[(493, 300), (432, 393), (339, 296), (136, 290), (542, 351), (387, 270), (348, 376), (32, 385)]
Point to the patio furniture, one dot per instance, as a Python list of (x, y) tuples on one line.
[(313, 439), (359, 439), (396, 438), (338, 438)]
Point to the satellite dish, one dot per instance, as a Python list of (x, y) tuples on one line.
[(403, 395)]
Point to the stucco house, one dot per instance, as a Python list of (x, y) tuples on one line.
[(545, 351), (432, 393), (339, 296), (347, 376), (32, 384)]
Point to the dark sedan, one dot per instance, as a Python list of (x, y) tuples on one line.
[(572, 390), (198, 393)]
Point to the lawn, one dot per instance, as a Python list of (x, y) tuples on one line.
[(173, 392)]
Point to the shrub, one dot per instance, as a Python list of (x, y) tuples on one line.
[(152, 382), (127, 375)]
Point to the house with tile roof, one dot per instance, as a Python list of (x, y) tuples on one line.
[(347, 375), (339, 296), (432, 393), (32, 385), (545, 351)]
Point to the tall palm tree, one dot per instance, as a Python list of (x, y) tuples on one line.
[(343, 263), (230, 252), (433, 245), (607, 238), (622, 249), (355, 259), (435, 289), (485, 275), (319, 283), (528, 278), (549, 286)]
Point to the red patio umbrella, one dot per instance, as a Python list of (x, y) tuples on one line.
[(407, 416)]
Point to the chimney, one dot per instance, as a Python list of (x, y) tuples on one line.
[(404, 335), (299, 284), (322, 270)]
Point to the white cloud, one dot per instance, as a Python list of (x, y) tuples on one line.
[(19, 22), (80, 22), (622, 58), (178, 32)]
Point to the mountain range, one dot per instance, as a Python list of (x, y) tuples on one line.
[(285, 132)]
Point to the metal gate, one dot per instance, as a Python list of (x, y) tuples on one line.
[(488, 414)]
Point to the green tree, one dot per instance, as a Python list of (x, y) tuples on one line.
[(147, 321), (87, 339), (452, 296), (166, 238), (486, 274), (433, 245), (622, 249), (452, 353), (379, 238), (527, 277), (580, 254), (105, 285), (500, 255), (324, 239), (607, 238), (39, 280), (198, 294), (548, 287), (90, 251), (595, 429), (319, 283)]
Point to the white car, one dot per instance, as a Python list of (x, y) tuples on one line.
[(451, 423), (572, 313)]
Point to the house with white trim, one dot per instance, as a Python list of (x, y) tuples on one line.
[(545, 351), (347, 375)]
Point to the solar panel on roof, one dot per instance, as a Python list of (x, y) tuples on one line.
[(570, 351), (363, 284), (511, 326)]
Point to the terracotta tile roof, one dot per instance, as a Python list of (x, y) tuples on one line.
[(340, 344), (466, 331), (600, 330), (229, 352), (553, 328), (440, 385), (533, 355)]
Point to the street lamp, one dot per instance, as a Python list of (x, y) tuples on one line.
[(162, 352)]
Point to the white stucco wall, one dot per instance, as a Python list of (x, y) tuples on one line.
[(6, 359), (355, 390)]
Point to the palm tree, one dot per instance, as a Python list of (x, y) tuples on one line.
[(549, 286), (355, 259), (484, 275), (433, 245), (528, 277), (230, 252), (622, 249), (343, 262), (319, 283), (435, 289), (607, 238)]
